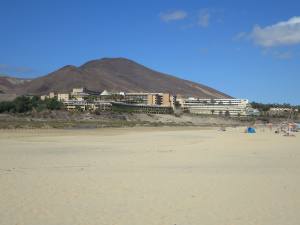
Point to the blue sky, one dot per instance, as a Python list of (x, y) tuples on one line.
[(248, 49)]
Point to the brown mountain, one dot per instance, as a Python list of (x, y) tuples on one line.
[(114, 74), (7, 83)]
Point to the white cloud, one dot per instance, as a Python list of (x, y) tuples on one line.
[(279, 34), (173, 15), (204, 18)]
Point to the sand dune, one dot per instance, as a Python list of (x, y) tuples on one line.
[(150, 176)]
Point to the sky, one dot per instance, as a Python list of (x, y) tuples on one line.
[(247, 49)]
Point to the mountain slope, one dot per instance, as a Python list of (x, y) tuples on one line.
[(7, 83), (117, 74)]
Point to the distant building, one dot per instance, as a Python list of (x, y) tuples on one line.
[(84, 99), (253, 112), (81, 93), (163, 99), (143, 102), (141, 108), (63, 97), (105, 93), (136, 98), (230, 107), (43, 97), (84, 105), (85, 90), (52, 95), (78, 90), (102, 106), (73, 105), (60, 97), (280, 111)]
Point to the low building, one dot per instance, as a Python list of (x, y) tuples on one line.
[(85, 105), (52, 95), (163, 99), (253, 112), (105, 93), (102, 106), (141, 108), (136, 98), (280, 111), (60, 96), (110, 96), (44, 97), (76, 91), (82, 93), (229, 107), (63, 97), (73, 105), (167, 100), (84, 99)]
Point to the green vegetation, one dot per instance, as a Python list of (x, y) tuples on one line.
[(53, 104), (120, 109), (25, 104)]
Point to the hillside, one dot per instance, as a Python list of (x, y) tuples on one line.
[(114, 74), (7, 83)]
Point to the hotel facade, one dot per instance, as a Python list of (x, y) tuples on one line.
[(143, 102), (230, 107)]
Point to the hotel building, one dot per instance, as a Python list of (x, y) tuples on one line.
[(84, 99), (163, 99), (231, 107)]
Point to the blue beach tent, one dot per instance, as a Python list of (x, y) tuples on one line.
[(251, 130)]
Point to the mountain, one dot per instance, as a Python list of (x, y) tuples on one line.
[(7, 83), (114, 74), (7, 86)]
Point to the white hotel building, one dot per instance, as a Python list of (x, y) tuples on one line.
[(235, 107)]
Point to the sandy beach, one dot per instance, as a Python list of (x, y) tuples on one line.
[(149, 176)]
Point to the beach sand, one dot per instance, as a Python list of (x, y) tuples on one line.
[(149, 176)]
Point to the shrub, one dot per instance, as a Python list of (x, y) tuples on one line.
[(6, 107), (53, 104), (24, 104)]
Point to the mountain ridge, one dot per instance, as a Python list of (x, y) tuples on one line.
[(113, 74)]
